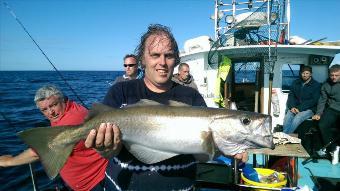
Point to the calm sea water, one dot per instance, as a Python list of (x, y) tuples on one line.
[(18, 112)]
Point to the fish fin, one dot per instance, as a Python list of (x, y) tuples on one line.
[(96, 109), (148, 155), (208, 143), (177, 104), (52, 157), (146, 102)]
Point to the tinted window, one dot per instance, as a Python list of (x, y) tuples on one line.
[(290, 72), (245, 72)]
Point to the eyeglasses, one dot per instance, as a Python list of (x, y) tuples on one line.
[(130, 65)]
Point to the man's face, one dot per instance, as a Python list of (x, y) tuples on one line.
[(159, 61), (130, 65), (184, 73), (335, 76), (52, 108), (306, 75)]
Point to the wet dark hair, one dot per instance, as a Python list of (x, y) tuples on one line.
[(156, 29), (130, 56)]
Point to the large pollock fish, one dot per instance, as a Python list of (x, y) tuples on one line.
[(153, 132)]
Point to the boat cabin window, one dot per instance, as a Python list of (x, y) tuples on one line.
[(290, 72), (245, 72), (244, 84)]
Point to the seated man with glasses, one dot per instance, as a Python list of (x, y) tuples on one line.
[(131, 69)]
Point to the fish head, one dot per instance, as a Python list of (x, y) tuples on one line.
[(236, 131)]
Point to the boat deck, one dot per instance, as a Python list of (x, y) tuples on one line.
[(322, 168), (317, 176)]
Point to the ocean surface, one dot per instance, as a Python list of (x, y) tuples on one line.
[(18, 112)]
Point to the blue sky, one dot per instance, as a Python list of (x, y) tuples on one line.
[(96, 34)]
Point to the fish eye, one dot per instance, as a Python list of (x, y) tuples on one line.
[(245, 121)]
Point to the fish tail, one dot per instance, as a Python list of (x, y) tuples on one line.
[(41, 139)]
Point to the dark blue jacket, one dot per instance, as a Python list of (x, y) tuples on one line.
[(304, 97)]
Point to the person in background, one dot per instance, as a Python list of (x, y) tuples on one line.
[(131, 69), (85, 168), (184, 77), (302, 100), (328, 110), (158, 53)]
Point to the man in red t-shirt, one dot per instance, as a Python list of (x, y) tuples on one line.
[(85, 168)]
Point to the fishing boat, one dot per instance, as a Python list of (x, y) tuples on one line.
[(252, 61), (250, 64)]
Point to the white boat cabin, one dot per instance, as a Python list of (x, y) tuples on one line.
[(263, 59)]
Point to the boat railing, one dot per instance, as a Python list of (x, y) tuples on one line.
[(249, 14), (260, 26)]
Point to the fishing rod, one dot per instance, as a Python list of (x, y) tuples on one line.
[(9, 122), (58, 72)]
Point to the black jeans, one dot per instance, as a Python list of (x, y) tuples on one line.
[(329, 127)]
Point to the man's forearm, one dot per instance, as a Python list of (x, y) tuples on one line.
[(25, 157)]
